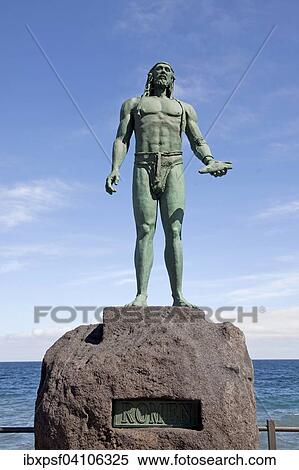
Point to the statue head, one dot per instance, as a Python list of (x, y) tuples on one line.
[(160, 74)]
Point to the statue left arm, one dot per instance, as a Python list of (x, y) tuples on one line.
[(200, 146)]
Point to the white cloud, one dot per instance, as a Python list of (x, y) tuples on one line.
[(28, 250), (58, 249), (20, 256), (288, 258), (116, 276), (283, 92), (82, 131), (274, 323), (196, 88), (286, 149), (126, 280), (11, 266), (276, 334), (210, 79), (279, 209), (238, 119), (29, 345), (120, 276), (26, 202), (267, 286), (252, 289), (7, 161), (32, 345), (281, 140), (52, 333), (157, 16), (247, 278), (144, 17)]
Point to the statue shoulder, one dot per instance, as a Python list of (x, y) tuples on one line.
[(130, 104), (189, 110)]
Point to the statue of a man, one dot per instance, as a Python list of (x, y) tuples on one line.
[(158, 121)]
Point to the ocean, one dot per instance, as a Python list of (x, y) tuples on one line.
[(276, 386)]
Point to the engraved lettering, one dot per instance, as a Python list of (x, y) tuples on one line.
[(157, 413), (126, 417), (141, 413), (155, 416), (186, 413)]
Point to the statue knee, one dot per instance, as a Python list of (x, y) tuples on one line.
[(176, 230), (145, 230)]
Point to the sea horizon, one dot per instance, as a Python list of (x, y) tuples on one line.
[(259, 359), (276, 383)]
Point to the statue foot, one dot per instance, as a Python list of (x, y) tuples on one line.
[(182, 302), (139, 301)]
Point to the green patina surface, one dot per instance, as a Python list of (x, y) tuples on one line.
[(157, 413), (158, 121)]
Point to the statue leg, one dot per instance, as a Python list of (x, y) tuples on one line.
[(145, 213), (172, 204)]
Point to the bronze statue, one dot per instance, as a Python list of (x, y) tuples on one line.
[(159, 121)]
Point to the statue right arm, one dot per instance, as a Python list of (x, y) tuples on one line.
[(124, 133), (121, 143)]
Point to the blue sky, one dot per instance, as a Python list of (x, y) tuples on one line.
[(64, 241)]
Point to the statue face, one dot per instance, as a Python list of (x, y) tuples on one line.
[(162, 75)]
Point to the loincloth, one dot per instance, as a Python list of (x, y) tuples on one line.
[(158, 166)]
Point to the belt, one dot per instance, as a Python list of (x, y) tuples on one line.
[(157, 154), (155, 157)]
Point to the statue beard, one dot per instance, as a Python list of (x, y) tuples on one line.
[(161, 82)]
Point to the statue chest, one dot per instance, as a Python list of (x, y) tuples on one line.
[(164, 106)]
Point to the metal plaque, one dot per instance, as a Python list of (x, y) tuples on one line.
[(156, 413)]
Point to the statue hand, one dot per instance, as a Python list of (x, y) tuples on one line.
[(216, 168), (113, 178)]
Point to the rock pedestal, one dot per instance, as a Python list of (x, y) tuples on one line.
[(150, 378)]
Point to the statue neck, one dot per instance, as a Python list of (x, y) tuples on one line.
[(160, 91)]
